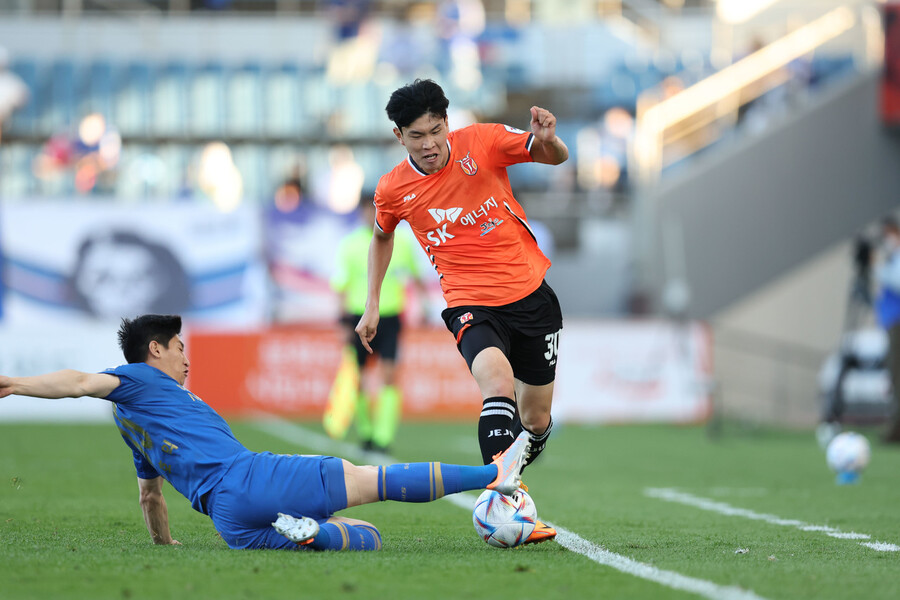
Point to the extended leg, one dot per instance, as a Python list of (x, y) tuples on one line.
[(424, 482)]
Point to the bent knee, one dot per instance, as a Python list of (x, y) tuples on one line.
[(535, 418), (536, 424)]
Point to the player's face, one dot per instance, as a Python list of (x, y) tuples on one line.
[(426, 141), (172, 360)]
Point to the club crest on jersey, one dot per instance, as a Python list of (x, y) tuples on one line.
[(465, 318), (468, 165)]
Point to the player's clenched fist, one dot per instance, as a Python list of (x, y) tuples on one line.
[(543, 124)]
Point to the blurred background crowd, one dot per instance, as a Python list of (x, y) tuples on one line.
[(226, 101)]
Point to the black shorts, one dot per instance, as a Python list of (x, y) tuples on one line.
[(384, 344), (526, 331)]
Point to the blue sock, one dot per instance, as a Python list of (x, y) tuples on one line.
[(342, 536), (424, 482)]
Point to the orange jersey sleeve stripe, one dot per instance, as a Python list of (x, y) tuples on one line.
[(466, 219)]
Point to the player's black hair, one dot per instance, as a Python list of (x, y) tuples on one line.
[(421, 97), (136, 334)]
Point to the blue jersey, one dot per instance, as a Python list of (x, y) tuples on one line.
[(172, 433)]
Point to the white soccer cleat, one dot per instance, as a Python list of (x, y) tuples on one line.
[(510, 464), (300, 530)]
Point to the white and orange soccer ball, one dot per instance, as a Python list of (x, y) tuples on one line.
[(504, 521)]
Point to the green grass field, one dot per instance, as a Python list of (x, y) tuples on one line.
[(70, 525)]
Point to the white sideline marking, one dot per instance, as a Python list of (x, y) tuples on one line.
[(311, 439), (849, 536), (822, 528), (881, 546), (672, 495), (296, 434), (575, 543)]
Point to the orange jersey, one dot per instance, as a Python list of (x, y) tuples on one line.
[(466, 219)]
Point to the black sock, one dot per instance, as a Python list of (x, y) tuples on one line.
[(517, 424), (537, 443), (495, 426)]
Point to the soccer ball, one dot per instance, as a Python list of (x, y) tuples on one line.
[(504, 521), (848, 452)]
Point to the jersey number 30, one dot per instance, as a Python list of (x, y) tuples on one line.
[(552, 346)]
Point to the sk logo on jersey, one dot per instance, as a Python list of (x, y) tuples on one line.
[(468, 165), (440, 214)]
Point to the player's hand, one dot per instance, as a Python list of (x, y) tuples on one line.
[(171, 542), (543, 124), (367, 328)]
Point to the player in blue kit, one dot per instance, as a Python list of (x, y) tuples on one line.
[(176, 437)]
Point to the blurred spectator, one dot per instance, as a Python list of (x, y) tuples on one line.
[(459, 23), (210, 4), (299, 238), (339, 187), (92, 154), (13, 91), (219, 178), (775, 92), (890, 80), (410, 48), (887, 308), (603, 152), (756, 44), (348, 17), (289, 197), (356, 42), (289, 205)]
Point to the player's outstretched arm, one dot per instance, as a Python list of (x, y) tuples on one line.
[(380, 251), (546, 148), (156, 513), (60, 384)]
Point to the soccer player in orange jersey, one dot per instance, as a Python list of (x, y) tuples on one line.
[(454, 192)]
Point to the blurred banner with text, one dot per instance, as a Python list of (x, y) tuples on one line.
[(609, 372)]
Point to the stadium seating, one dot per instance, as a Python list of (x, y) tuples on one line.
[(166, 110)]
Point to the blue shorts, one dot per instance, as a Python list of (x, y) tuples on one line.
[(260, 485)]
